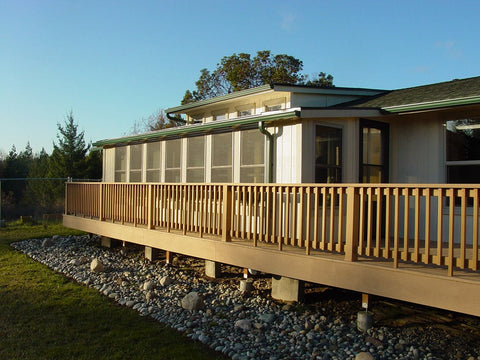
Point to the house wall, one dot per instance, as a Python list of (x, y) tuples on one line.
[(417, 150)]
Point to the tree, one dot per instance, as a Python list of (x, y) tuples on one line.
[(158, 120), (68, 156), (240, 72)]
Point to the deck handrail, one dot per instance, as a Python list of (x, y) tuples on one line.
[(433, 224)]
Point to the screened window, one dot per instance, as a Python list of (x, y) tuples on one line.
[(220, 116), (463, 151), (120, 164), (328, 154), (222, 157), (196, 159), (173, 152), (273, 107), (247, 112), (252, 157), (153, 162), (136, 159)]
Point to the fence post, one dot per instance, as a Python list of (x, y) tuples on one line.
[(227, 213), (351, 236), (66, 198)]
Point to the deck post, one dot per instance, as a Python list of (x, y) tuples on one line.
[(151, 253), (227, 213), (351, 236), (212, 269)]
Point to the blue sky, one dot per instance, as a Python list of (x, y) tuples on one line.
[(114, 62)]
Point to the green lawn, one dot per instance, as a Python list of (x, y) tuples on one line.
[(44, 315)]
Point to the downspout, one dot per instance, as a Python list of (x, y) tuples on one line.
[(261, 127)]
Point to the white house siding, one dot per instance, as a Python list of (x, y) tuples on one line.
[(417, 150), (288, 154)]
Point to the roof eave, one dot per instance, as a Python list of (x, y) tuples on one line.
[(431, 105)]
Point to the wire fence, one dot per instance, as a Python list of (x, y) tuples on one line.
[(33, 199)]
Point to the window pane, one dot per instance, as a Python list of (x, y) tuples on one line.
[(173, 153), (153, 175), (463, 139), (372, 146), (372, 174), (328, 154), (135, 176), (252, 174), (120, 176), (222, 149), (120, 158), (222, 174), (136, 157), (195, 152), (172, 176), (465, 174), (196, 175), (252, 148), (153, 155), (220, 117)]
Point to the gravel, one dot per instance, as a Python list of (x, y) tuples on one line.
[(239, 325)]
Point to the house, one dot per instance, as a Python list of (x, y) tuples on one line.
[(366, 189)]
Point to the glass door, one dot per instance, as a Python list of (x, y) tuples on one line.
[(373, 151)]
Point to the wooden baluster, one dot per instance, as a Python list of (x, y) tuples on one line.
[(451, 230)]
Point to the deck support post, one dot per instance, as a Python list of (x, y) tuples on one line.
[(212, 269), (351, 236), (151, 253), (168, 257), (286, 289), (109, 242)]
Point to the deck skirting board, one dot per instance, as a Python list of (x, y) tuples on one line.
[(446, 292)]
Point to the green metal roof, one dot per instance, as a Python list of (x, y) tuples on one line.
[(277, 87), (445, 94), (198, 129)]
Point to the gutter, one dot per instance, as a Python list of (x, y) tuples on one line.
[(261, 127), (198, 129)]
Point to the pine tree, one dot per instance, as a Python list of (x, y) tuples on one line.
[(68, 156)]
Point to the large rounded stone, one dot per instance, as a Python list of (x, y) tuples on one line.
[(193, 301), (96, 266), (364, 356)]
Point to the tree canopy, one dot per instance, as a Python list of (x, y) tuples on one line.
[(242, 71)]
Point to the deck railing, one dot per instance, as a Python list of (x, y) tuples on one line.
[(425, 224)]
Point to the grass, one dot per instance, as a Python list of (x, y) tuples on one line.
[(44, 315)]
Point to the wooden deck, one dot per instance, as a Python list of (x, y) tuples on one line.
[(363, 238)]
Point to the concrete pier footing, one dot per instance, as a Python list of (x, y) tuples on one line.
[(286, 289), (212, 269)]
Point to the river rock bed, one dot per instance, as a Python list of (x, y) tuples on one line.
[(239, 325)]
